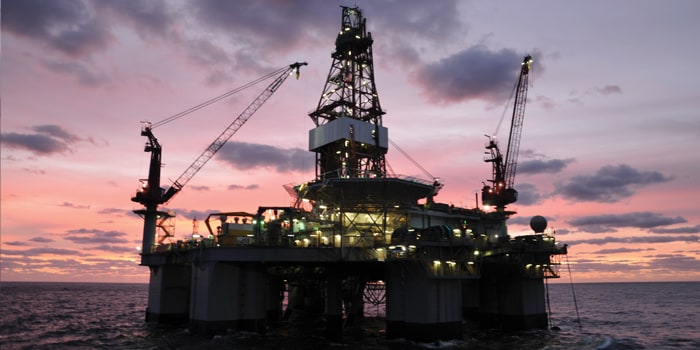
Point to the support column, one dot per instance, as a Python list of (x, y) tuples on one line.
[(168, 294), (356, 300), (510, 301), (275, 296), (470, 302), (421, 307), (253, 297), (228, 295), (295, 298), (334, 305), (215, 304)]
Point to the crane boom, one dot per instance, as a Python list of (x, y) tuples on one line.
[(502, 192), (516, 126), (151, 195), (221, 140)]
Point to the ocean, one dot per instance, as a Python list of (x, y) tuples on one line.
[(36, 315)]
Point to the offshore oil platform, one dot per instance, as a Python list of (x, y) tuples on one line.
[(354, 227)]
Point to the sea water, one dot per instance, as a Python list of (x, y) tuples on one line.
[(586, 316)]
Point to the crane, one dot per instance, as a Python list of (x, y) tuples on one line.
[(501, 192), (151, 195)]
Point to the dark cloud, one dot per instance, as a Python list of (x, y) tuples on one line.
[(47, 140), (609, 184), (676, 262), (92, 266), (599, 266), (610, 222), (609, 89), (474, 73), (206, 53), (404, 30), (151, 18), (620, 250), (634, 239), (114, 211), (85, 74), (35, 171), (687, 229), (79, 29), (95, 236), (241, 187), (243, 155), (260, 31), (284, 24), (545, 102), (35, 143), (69, 26), (527, 194), (579, 96), (56, 131), (114, 249), (41, 239), (598, 229), (539, 166), (519, 220), (260, 27), (433, 19), (198, 188), (44, 251), (17, 243), (73, 205), (216, 61), (562, 231)]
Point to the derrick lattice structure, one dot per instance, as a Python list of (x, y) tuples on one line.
[(349, 139)]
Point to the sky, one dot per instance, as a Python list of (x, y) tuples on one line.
[(609, 151)]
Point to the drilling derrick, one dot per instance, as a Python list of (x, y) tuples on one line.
[(349, 139), (351, 187)]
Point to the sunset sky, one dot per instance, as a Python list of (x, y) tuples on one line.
[(610, 150)]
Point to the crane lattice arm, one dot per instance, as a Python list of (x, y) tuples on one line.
[(502, 192), (220, 141), (516, 126)]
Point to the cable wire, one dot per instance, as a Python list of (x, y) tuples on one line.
[(505, 108), (571, 279), (412, 160), (216, 99)]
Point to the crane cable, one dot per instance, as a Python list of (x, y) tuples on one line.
[(505, 108), (216, 99), (412, 160)]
